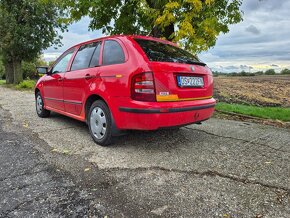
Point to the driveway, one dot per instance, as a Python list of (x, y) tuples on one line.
[(221, 168)]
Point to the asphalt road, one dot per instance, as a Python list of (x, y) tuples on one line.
[(219, 169)]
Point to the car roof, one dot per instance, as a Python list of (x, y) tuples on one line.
[(125, 36)]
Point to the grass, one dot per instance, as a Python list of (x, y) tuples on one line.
[(25, 85), (274, 113)]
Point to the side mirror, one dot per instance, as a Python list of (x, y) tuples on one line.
[(42, 70)]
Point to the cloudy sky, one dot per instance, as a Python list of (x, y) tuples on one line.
[(260, 42)]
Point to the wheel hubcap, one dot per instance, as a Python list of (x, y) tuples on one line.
[(39, 104), (98, 123)]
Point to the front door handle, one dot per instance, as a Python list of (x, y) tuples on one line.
[(60, 79), (88, 76)]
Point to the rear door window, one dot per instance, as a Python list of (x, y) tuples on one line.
[(161, 52), (83, 57), (113, 53), (96, 56)]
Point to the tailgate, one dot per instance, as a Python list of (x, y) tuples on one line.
[(181, 82)]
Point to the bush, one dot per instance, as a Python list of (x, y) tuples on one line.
[(270, 72), (258, 73), (26, 84), (29, 70), (285, 71)]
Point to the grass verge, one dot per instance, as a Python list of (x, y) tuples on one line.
[(274, 113), (25, 85)]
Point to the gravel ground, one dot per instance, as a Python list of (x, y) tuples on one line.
[(222, 168)]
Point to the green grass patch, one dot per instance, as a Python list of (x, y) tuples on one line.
[(26, 84), (274, 113)]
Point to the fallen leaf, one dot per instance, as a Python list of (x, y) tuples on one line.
[(65, 151), (87, 169)]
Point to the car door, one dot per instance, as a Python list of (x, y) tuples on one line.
[(84, 69), (53, 83), (114, 70)]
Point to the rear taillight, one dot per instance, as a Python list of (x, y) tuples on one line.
[(143, 88)]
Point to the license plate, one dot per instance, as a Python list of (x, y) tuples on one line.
[(190, 81)]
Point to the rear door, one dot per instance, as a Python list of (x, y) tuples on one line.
[(114, 68), (53, 83), (178, 75), (83, 70)]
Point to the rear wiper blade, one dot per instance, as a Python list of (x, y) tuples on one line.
[(196, 63)]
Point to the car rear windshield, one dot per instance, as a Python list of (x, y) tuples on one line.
[(160, 52)]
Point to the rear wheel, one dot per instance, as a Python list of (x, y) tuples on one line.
[(100, 123), (40, 110)]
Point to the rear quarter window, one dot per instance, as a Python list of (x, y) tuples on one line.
[(113, 53)]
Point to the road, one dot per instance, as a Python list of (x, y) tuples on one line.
[(222, 168)]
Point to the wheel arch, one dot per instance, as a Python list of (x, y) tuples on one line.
[(90, 100), (36, 90)]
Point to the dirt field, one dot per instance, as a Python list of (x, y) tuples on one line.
[(256, 90)]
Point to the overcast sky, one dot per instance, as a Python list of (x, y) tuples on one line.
[(260, 42)]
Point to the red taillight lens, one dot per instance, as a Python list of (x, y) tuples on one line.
[(143, 88)]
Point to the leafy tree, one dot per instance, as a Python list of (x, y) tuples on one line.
[(26, 28), (285, 71), (194, 24), (50, 63), (270, 72), (29, 68)]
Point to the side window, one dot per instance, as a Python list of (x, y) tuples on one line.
[(96, 56), (113, 53), (61, 65), (83, 57)]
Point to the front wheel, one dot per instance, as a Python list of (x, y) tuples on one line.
[(40, 110), (100, 123)]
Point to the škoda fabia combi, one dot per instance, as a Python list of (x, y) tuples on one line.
[(126, 83)]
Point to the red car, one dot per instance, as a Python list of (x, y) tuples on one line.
[(126, 83)]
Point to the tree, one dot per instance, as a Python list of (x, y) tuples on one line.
[(194, 24), (29, 68), (285, 71), (26, 28), (270, 72), (2, 73)]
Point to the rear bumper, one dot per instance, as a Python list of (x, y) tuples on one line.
[(155, 115)]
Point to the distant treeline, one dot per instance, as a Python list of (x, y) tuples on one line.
[(258, 73)]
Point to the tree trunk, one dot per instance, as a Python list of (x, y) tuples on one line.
[(167, 32), (18, 75), (157, 31), (9, 72)]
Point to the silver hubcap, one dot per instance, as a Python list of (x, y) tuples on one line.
[(98, 123), (39, 104)]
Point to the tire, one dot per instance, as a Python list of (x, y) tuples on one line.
[(40, 110), (100, 123)]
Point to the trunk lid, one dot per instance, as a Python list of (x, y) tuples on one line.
[(171, 80)]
